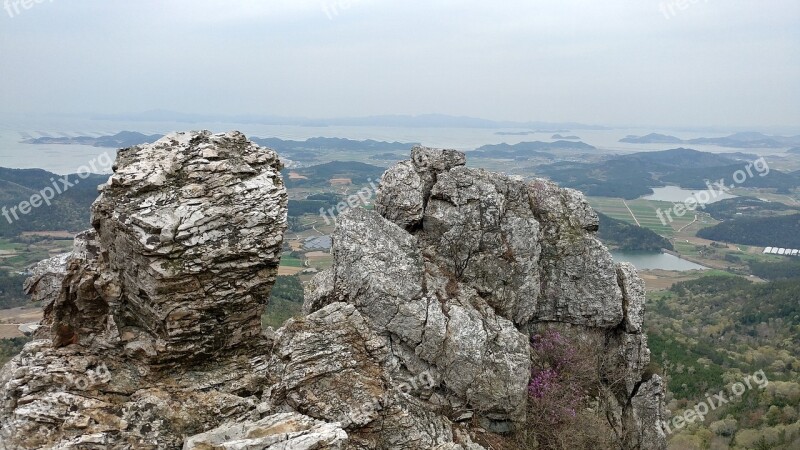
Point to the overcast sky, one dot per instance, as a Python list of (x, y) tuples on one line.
[(614, 62)]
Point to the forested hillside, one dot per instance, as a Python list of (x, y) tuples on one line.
[(715, 331), (69, 208), (781, 231), (743, 207), (624, 236)]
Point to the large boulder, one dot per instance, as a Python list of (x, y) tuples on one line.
[(193, 213), (152, 323)]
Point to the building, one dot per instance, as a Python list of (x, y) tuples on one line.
[(318, 243), (781, 251)]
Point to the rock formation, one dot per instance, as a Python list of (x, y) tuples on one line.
[(153, 321), (416, 338)]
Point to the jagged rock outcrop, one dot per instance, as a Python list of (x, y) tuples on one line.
[(188, 215), (458, 267), (416, 338), (153, 321)]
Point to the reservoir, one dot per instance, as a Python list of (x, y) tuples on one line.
[(675, 194), (654, 260)]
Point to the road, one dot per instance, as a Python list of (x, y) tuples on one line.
[(688, 224), (629, 210)]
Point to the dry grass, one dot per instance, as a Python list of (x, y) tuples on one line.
[(492, 441), (296, 244), (9, 331), (287, 270), (17, 316), (659, 280)]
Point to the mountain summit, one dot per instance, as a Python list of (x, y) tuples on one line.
[(424, 334)]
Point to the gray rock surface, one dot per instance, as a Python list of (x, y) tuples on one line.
[(406, 186), (191, 213), (152, 323), (633, 293), (458, 267), (416, 338), (648, 410), (284, 431), (46, 277)]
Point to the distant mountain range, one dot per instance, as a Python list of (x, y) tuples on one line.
[(528, 133), (737, 140), (407, 121)]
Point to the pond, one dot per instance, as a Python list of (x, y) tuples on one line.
[(675, 194), (655, 260)]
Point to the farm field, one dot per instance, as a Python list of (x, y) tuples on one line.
[(11, 319), (18, 256), (319, 260), (641, 212)]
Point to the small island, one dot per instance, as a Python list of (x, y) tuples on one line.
[(119, 140), (736, 140)]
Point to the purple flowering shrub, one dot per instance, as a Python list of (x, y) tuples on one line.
[(555, 388), (562, 394)]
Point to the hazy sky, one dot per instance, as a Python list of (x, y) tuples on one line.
[(643, 62)]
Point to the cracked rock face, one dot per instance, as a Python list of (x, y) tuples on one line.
[(152, 322), (416, 338), (193, 226), (457, 267)]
